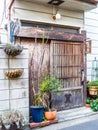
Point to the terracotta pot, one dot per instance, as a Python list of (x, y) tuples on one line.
[(50, 115), (87, 105), (93, 91)]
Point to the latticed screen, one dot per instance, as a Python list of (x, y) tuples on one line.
[(67, 63)]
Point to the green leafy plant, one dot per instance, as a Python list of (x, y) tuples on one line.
[(94, 105), (93, 83), (48, 85), (88, 100), (38, 98)]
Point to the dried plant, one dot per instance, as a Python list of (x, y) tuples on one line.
[(44, 83), (10, 118), (39, 98)]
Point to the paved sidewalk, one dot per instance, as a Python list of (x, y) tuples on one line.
[(91, 125), (71, 125), (70, 118)]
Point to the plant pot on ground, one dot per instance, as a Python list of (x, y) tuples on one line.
[(87, 104), (93, 88), (48, 85), (50, 115), (37, 109)]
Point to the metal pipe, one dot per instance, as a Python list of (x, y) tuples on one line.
[(9, 9)]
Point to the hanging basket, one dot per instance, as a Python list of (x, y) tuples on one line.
[(13, 50), (14, 73)]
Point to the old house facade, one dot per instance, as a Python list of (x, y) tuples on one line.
[(65, 54), (91, 26)]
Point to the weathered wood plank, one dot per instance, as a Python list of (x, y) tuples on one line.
[(30, 32), (91, 1), (67, 99), (68, 59), (37, 65)]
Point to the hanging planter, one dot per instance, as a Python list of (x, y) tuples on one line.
[(14, 73), (13, 50)]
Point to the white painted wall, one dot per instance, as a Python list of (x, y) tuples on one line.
[(3, 36), (29, 11), (14, 93), (91, 26)]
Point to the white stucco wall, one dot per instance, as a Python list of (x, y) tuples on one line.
[(91, 26), (34, 12), (14, 93)]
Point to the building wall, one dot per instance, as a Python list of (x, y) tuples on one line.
[(29, 11), (14, 93), (3, 36), (17, 90), (91, 26)]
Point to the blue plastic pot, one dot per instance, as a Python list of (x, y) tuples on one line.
[(37, 113)]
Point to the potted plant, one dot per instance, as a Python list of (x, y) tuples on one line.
[(87, 104), (48, 85), (93, 88), (12, 120), (94, 105), (37, 109), (13, 49)]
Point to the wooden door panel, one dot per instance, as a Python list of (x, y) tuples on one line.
[(37, 65), (67, 99), (66, 63)]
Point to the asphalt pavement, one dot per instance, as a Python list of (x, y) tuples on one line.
[(91, 125)]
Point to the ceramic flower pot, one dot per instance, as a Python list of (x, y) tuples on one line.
[(50, 115), (87, 105), (93, 91), (37, 113)]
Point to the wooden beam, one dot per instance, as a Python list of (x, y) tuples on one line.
[(90, 1), (94, 1), (30, 32)]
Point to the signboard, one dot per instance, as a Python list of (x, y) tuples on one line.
[(88, 46)]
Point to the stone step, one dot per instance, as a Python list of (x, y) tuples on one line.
[(74, 113)]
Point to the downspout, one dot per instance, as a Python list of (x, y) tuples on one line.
[(9, 9)]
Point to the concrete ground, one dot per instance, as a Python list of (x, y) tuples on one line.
[(84, 123), (91, 125), (71, 118)]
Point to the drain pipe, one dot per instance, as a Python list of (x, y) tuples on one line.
[(9, 9)]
